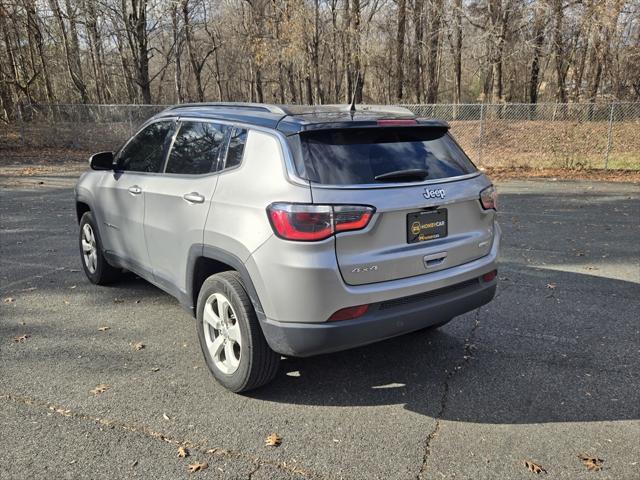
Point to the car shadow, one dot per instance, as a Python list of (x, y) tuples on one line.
[(524, 358)]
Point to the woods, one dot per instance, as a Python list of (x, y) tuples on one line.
[(318, 51)]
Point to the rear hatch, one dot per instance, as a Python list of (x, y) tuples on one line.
[(424, 189)]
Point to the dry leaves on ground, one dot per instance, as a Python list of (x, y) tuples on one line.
[(138, 346), (9, 300), (183, 452), (592, 464), (61, 411), (21, 338), (534, 467), (103, 387), (103, 329), (551, 285), (273, 440), (196, 467)]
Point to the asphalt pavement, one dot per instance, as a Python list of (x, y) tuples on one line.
[(547, 371)]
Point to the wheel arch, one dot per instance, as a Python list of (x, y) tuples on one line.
[(206, 260), (82, 207)]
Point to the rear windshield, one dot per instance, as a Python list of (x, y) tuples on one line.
[(357, 155)]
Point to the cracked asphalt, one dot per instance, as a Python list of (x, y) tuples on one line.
[(548, 370)]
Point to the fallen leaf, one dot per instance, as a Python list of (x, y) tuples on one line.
[(533, 467), (155, 369), (138, 346), (183, 452), (63, 412), (273, 440), (196, 467), (103, 329), (66, 302), (21, 338), (72, 287), (103, 387), (165, 416), (551, 285), (9, 300), (592, 463), (118, 300)]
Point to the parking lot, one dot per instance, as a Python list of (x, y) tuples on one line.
[(548, 370)]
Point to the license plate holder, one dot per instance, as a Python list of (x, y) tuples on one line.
[(427, 225)]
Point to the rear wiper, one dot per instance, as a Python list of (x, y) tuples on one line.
[(415, 174)]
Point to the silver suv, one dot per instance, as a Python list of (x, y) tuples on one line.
[(292, 230)]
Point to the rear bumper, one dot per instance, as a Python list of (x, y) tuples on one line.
[(382, 320)]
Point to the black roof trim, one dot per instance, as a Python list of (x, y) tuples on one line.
[(292, 119)]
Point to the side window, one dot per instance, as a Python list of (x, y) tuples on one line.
[(144, 153), (237, 141), (196, 148)]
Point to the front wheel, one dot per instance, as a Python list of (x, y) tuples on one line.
[(230, 336), (95, 266)]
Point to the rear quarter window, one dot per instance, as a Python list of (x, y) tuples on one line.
[(357, 155)]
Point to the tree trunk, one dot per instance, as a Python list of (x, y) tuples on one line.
[(177, 45), (418, 61), (71, 52), (433, 51), (457, 93), (400, 34), (538, 42)]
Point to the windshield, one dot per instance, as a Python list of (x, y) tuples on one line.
[(355, 156)]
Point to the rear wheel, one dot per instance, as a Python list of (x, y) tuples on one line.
[(95, 266), (230, 336)]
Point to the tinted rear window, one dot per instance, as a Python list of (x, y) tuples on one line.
[(196, 148), (357, 155)]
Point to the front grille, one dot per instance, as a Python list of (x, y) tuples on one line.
[(419, 297)]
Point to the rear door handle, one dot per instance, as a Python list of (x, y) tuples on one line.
[(193, 197), (135, 190)]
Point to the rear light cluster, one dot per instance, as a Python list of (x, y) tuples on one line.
[(489, 198), (308, 223)]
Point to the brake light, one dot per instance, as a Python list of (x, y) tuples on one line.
[(489, 198), (396, 122), (302, 222), (349, 313)]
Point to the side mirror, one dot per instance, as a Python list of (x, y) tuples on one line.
[(101, 161)]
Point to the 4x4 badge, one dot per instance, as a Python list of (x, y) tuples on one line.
[(439, 193)]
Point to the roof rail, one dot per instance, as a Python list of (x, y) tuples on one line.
[(336, 107), (264, 107)]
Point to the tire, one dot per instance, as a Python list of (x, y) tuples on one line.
[(95, 266), (231, 339)]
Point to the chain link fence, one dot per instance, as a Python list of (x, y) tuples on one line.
[(494, 135)]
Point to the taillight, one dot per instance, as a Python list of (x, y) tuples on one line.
[(349, 313), (347, 217), (489, 198), (294, 221)]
